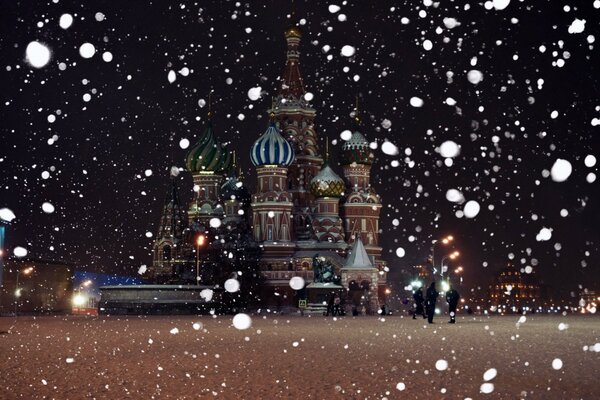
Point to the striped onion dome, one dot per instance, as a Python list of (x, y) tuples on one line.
[(327, 183), (272, 149), (207, 155), (356, 150)]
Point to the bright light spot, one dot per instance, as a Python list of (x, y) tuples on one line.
[(427, 45), (7, 215), (184, 143), (171, 76), (334, 8), (454, 196), (270, 214), (416, 102), (197, 326), (254, 93), (19, 251), (490, 374), (70, 360), (451, 22), (441, 365), (148, 172), (242, 321), (471, 209), (400, 252), (450, 101), (389, 148), (486, 388), (174, 331), (107, 56), (589, 161), (38, 55), (206, 294), (79, 300), (99, 16), (87, 50), (386, 123), (577, 26), (561, 170), (47, 208), (400, 386), (474, 76), (232, 285), (500, 4), (348, 51), (544, 235), (142, 269), (308, 96), (562, 326), (215, 222), (449, 149), (557, 364), (346, 135), (297, 282), (65, 21)]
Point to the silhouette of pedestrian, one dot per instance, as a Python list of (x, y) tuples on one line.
[(330, 304), (452, 297), (430, 299), (419, 300)]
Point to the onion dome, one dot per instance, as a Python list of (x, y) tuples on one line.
[(272, 149), (234, 189), (356, 150), (327, 183), (207, 155)]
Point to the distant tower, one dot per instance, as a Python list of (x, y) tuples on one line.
[(362, 205), (169, 245), (208, 161), (295, 118), (272, 202), (328, 187), (235, 196)]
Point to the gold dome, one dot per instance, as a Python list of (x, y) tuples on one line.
[(293, 32)]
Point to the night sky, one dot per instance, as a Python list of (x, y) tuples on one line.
[(537, 102)]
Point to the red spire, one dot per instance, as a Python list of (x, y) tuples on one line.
[(291, 80)]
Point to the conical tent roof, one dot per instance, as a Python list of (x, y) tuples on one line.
[(358, 257)]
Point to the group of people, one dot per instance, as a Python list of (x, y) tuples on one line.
[(425, 306)]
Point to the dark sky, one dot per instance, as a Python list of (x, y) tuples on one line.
[(134, 120)]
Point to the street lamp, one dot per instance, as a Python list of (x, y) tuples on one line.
[(451, 256), (444, 240), (26, 271), (199, 242)]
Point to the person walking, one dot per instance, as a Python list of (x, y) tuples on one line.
[(430, 299), (419, 300), (452, 298)]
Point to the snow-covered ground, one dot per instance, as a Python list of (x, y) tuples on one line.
[(537, 357)]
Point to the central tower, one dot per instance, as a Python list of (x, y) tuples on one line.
[(295, 119)]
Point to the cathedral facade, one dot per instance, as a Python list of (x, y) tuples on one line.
[(303, 215)]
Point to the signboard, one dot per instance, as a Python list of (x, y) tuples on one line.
[(302, 303)]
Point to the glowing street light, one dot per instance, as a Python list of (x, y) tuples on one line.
[(26, 271), (199, 242)]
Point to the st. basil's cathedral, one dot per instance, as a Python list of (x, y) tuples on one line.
[(306, 219)]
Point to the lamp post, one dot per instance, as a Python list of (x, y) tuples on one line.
[(444, 240), (452, 257), (199, 242), (26, 271)]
